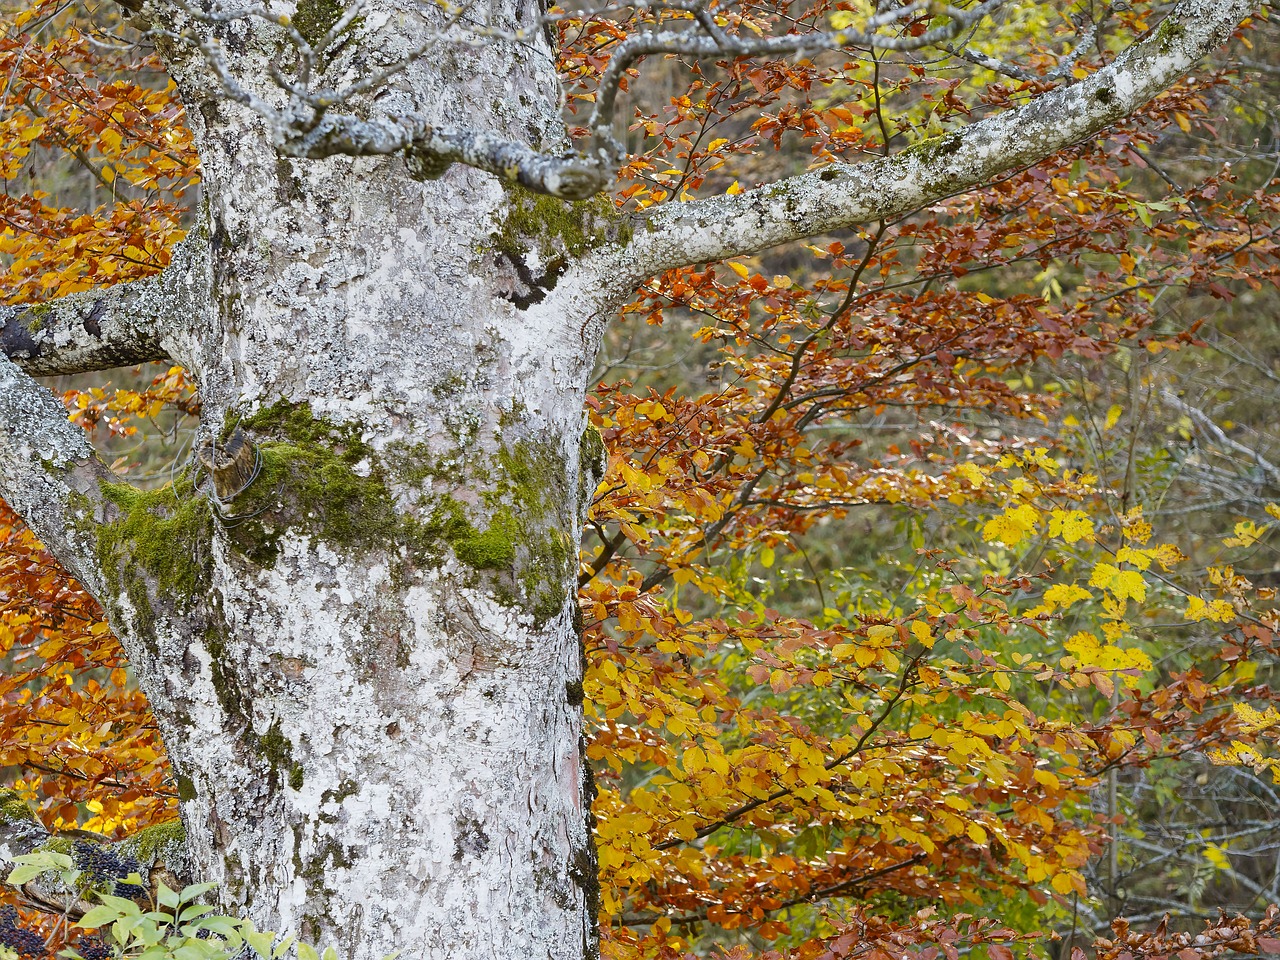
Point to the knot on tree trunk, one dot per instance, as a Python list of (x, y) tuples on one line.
[(233, 464)]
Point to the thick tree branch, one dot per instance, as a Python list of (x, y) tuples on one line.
[(840, 196), (156, 854), (715, 42), (430, 151), (110, 327), (49, 473)]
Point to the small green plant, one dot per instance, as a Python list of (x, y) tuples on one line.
[(181, 929), (174, 927)]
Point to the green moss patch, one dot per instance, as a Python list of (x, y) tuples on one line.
[(162, 843), (932, 148), (157, 548), (556, 228), (324, 480), (14, 807), (315, 18)]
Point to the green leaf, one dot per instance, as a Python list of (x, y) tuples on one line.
[(330, 954), (193, 911), (149, 932), (126, 908), (810, 842), (284, 946), (167, 897), (307, 952), (121, 928), (21, 875), (261, 942), (99, 916), (196, 890), (48, 859), (228, 927)]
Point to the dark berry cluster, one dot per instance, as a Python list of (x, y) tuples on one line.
[(102, 864), (24, 942), (91, 948)]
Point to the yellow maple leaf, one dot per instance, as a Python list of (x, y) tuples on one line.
[(1063, 595), (1220, 611), (1247, 534)]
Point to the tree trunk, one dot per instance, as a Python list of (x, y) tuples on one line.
[(365, 662)]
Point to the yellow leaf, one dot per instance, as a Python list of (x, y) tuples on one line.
[(694, 759), (1121, 583), (739, 269), (1047, 779), (1139, 558), (1012, 525), (1071, 525), (1220, 611), (1063, 595), (1247, 534), (881, 633), (1129, 583), (1063, 883), (1113, 415), (920, 630)]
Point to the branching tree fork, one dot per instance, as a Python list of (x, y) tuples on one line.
[(364, 662)]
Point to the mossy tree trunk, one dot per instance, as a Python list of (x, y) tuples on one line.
[(365, 662), (360, 640)]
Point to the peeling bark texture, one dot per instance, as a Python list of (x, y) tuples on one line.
[(359, 642)]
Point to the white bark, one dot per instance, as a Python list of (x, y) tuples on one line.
[(365, 665), (49, 470), (368, 680)]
